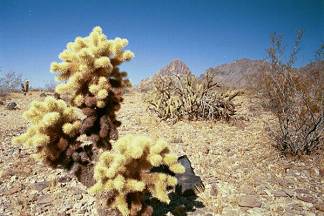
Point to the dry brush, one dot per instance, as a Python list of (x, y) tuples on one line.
[(177, 97)]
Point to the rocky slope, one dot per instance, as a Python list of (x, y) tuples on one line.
[(237, 73)]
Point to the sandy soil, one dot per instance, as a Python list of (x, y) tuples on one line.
[(242, 172)]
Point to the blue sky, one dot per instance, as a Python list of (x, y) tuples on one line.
[(203, 33)]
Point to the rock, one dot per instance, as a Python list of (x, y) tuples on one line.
[(285, 182), (279, 193), (320, 206), (205, 150), (13, 190), (301, 191), (43, 94), (289, 192), (259, 180), (213, 190), (321, 172), (44, 200), (78, 197), (228, 211), (306, 198), (39, 186), (1, 102), (177, 140), (64, 179), (247, 189), (250, 201), (11, 105)]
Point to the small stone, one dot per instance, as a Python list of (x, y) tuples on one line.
[(321, 172), (228, 211), (259, 180), (247, 189), (13, 190), (78, 196), (13, 178), (177, 140), (279, 193), (11, 106), (213, 190), (249, 201), (64, 179), (320, 206), (289, 192), (306, 198), (206, 150), (301, 191), (314, 172), (44, 199), (39, 186), (43, 94)]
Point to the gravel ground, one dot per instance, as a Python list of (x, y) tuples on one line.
[(242, 172)]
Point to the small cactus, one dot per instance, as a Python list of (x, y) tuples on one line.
[(126, 172), (177, 97), (25, 87), (89, 69)]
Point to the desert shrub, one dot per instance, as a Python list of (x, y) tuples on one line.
[(146, 85), (9, 82), (125, 172), (295, 98), (184, 96)]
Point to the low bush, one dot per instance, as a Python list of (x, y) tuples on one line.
[(9, 82), (177, 97), (295, 98)]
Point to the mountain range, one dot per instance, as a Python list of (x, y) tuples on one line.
[(234, 74)]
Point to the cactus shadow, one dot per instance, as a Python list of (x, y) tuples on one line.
[(180, 204)]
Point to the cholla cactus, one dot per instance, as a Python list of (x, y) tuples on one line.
[(54, 125), (177, 97), (126, 172), (94, 82), (25, 87)]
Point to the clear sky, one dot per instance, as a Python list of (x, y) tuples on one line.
[(202, 33)]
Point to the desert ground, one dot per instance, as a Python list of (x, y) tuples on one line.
[(242, 172)]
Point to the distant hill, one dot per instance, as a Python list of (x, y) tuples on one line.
[(174, 67), (237, 73)]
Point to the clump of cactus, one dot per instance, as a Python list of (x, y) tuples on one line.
[(125, 172), (177, 97), (91, 77), (54, 126), (94, 82), (25, 87)]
